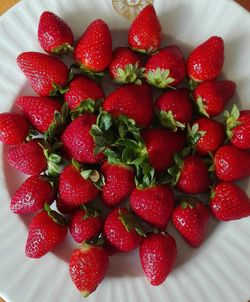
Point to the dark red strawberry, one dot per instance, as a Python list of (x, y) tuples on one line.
[(32, 195), (46, 230), (205, 62), (134, 101), (54, 35), (211, 97), (158, 253), (87, 267), (174, 108), (145, 32), (190, 217), (64, 208), (166, 68), (13, 128), (93, 51), (229, 202)]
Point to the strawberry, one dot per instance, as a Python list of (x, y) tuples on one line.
[(54, 35), (165, 68), (231, 163), (126, 66), (46, 230), (119, 182), (87, 267), (211, 97), (153, 204), (134, 101), (206, 135), (85, 224), (145, 32), (205, 62), (64, 208), (174, 108), (190, 218), (121, 230), (93, 51), (13, 128), (46, 74), (78, 143), (229, 202), (32, 195), (158, 253)]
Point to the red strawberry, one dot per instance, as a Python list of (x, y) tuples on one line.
[(46, 74), (46, 230), (145, 31), (87, 267), (85, 224), (174, 108), (153, 204), (190, 218), (158, 254), (134, 101), (231, 163), (205, 62), (54, 35), (211, 97), (32, 195), (120, 230), (93, 51), (165, 68), (64, 208), (82, 88), (126, 66), (78, 143), (13, 128), (206, 135), (119, 182), (229, 202)]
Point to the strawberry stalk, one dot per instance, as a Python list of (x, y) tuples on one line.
[(167, 120), (130, 74), (87, 105), (59, 219), (231, 120)]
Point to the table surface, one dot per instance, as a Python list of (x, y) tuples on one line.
[(6, 4)]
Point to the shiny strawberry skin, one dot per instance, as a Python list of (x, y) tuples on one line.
[(42, 71), (205, 62), (154, 204), (158, 253), (241, 133), (13, 128), (94, 49), (32, 195), (229, 202), (145, 32)]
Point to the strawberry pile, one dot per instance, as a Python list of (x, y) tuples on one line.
[(77, 144)]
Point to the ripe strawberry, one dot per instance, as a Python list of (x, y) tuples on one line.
[(211, 97), (231, 163), (54, 35), (13, 128), (119, 182), (158, 254), (65, 208), (32, 195), (174, 108), (82, 88), (78, 143), (229, 202), (153, 204), (85, 224), (87, 267), (126, 66), (134, 101), (46, 74), (145, 32), (165, 68), (190, 218), (46, 230), (121, 231), (205, 62), (93, 51)]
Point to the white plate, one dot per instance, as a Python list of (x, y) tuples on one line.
[(220, 270)]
